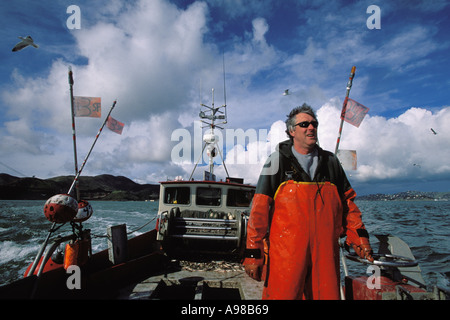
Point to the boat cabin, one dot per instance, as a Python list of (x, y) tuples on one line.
[(202, 214)]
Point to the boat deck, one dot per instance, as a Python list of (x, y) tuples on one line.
[(186, 280)]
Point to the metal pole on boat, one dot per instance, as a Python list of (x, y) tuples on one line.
[(211, 160), (344, 265), (41, 251), (44, 245), (224, 93), (75, 180), (201, 155), (73, 130), (45, 259), (223, 161), (349, 86)]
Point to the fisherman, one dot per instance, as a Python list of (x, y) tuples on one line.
[(303, 204)]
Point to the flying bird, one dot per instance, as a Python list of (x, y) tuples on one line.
[(286, 92), (24, 43)]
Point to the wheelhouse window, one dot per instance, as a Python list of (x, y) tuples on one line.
[(177, 195), (239, 198), (208, 196)]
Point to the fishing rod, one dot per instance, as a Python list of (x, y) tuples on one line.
[(349, 86), (74, 136), (75, 180)]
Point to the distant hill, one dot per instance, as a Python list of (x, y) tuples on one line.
[(119, 188), (102, 187), (408, 195)]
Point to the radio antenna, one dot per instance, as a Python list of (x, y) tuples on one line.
[(209, 115), (224, 88)]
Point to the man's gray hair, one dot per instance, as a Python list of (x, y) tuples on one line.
[(291, 117)]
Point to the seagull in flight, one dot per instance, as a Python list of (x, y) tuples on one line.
[(24, 43)]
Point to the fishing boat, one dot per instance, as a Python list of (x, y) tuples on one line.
[(140, 268), (193, 253)]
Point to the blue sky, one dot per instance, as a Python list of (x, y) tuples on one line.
[(160, 59)]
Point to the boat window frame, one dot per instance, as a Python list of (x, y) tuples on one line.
[(210, 188), (185, 196), (228, 204)]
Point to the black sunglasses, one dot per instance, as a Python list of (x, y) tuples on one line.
[(305, 124)]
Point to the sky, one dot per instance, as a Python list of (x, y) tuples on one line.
[(161, 59)]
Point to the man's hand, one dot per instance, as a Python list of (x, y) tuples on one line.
[(364, 250), (254, 271)]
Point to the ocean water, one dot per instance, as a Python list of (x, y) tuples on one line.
[(423, 225)]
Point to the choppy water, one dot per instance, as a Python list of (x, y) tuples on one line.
[(424, 225), (23, 228)]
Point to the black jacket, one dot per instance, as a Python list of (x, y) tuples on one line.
[(282, 165)]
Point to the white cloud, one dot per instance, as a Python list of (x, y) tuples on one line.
[(252, 54), (149, 141), (408, 47), (247, 160), (260, 27), (397, 148), (147, 59), (402, 148)]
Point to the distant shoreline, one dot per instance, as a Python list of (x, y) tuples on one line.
[(407, 196), (102, 187), (118, 188)]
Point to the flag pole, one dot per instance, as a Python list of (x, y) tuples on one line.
[(349, 86), (74, 135), (75, 181), (41, 250)]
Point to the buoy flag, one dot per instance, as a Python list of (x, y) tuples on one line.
[(114, 125), (87, 107), (354, 112)]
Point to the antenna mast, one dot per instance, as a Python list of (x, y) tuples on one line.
[(209, 115)]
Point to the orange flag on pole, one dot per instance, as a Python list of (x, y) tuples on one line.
[(87, 107), (115, 125), (354, 112)]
